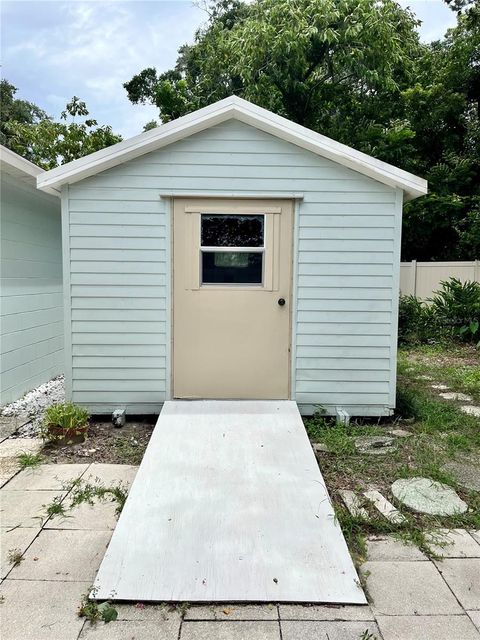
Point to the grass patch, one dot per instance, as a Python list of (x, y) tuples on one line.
[(129, 450), (440, 432), (29, 460)]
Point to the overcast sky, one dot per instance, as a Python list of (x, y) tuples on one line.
[(54, 49)]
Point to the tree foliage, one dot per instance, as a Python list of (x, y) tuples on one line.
[(356, 71), (37, 137)]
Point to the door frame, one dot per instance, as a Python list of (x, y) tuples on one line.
[(169, 198)]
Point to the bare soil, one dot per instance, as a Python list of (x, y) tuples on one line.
[(106, 443)]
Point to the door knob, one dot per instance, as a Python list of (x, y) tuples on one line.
[(281, 301)]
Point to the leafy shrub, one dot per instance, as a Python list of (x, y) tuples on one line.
[(452, 313), (64, 421), (417, 322), (457, 307)]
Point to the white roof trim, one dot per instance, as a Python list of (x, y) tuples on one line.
[(236, 108), (19, 167)]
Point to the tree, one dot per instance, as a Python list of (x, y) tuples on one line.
[(48, 143), (443, 109), (15, 110), (322, 63)]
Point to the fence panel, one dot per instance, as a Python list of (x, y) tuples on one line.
[(421, 279)]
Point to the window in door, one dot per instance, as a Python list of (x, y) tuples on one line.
[(232, 249)]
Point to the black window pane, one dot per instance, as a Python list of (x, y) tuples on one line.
[(221, 267), (232, 231)]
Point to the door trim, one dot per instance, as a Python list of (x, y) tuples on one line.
[(170, 198)]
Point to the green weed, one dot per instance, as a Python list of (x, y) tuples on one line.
[(29, 460)]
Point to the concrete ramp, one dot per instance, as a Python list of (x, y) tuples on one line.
[(229, 505)]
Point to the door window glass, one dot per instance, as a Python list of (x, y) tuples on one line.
[(232, 249)]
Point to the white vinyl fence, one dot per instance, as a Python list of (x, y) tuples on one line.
[(421, 279)]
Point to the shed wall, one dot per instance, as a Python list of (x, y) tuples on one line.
[(346, 275), (31, 289)]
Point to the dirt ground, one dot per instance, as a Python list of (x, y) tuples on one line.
[(106, 443)]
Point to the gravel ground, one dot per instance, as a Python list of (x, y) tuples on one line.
[(33, 405)]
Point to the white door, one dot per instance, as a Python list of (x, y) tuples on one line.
[(232, 263)]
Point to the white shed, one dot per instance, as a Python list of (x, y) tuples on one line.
[(31, 332), (231, 254)]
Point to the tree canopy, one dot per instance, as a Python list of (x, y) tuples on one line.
[(356, 71), (30, 132)]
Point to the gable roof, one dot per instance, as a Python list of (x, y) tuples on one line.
[(23, 170), (244, 111)]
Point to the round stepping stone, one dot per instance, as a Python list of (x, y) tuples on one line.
[(428, 496), (376, 445)]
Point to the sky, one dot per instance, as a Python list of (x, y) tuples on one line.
[(55, 49)]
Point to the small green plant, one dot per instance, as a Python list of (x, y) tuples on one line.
[(15, 557), (54, 509), (80, 492), (94, 612), (129, 450), (64, 422), (29, 460)]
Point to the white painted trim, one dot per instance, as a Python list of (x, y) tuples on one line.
[(14, 164), (67, 294), (395, 297), (169, 299), (244, 111), (237, 195), (294, 297)]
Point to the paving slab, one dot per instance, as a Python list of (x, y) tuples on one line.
[(17, 538), (148, 612), (475, 535), (8, 425), (453, 543), (15, 446), (375, 445), (325, 612), (470, 410), (463, 578), (241, 630), (232, 612), (427, 628), (475, 618), (385, 507), (98, 517), (303, 630), (466, 474), (111, 473), (408, 588), (46, 477), (8, 468), (63, 555), (461, 397), (391, 549), (428, 496), (25, 508), (34, 610), (440, 387), (128, 630), (353, 504)]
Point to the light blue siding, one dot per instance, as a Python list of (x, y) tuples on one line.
[(31, 288), (346, 272)]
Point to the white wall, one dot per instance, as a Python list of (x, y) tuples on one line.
[(31, 288)]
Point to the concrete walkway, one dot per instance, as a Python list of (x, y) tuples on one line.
[(412, 597)]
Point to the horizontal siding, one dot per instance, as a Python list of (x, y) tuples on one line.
[(119, 273), (31, 289)]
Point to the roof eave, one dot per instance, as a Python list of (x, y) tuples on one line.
[(240, 109)]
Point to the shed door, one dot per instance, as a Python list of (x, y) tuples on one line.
[(232, 264)]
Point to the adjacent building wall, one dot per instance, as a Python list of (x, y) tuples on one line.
[(31, 288), (117, 252)]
